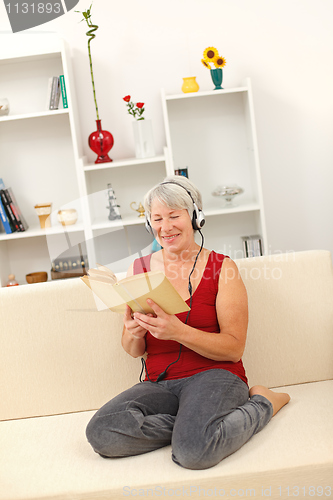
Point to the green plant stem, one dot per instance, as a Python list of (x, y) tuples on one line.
[(92, 35), (135, 111)]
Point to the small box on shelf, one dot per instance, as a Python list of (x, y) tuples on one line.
[(182, 171), (252, 245), (71, 267)]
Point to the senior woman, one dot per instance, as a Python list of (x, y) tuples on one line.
[(195, 395)]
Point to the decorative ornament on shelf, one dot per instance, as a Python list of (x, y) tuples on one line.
[(100, 141), (190, 85), (211, 57), (11, 280), (142, 129), (228, 193), (113, 207), (4, 106), (140, 209), (67, 217), (43, 211), (38, 277)]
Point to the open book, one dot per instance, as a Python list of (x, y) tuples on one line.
[(134, 291)]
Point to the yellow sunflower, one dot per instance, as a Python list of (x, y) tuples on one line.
[(219, 62), (210, 53), (206, 64)]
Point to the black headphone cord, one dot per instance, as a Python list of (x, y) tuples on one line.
[(143, 362)]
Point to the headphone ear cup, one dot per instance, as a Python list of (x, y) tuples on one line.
[(198, 218), (201, 219), (148, 226)]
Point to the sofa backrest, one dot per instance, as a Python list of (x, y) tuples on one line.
[(290, 334), (59, 353)]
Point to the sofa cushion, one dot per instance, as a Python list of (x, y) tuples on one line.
[(290, 334), (49, 458)]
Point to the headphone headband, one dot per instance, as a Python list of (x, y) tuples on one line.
[(198, 217), (180, 185)]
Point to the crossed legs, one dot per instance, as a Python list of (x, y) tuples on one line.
[(205, 418)]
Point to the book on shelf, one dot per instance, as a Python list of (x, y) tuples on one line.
[(15, 219), (22, 223), (134, 291), (54, 93), (252, 245), (63, 91), (182, 171), (4, 219), (9, 211)]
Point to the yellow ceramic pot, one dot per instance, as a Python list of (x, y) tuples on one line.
[(190, 84)]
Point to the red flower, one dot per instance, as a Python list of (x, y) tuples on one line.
[(140, 104), (127, 98)]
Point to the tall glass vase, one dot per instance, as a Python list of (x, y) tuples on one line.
[(217, 77), (143, 137), (101, 141)]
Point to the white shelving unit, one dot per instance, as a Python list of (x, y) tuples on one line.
[(39, 149), (41, 159), (213, 134)]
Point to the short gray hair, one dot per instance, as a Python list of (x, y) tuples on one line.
[(171, 194)]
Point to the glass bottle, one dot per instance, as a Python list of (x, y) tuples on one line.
[(11, 280)]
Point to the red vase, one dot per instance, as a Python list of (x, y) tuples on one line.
[(101, 141)]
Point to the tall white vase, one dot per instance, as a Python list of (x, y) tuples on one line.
[(143, 137)]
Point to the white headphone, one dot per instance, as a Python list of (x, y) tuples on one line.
[(198, 217)]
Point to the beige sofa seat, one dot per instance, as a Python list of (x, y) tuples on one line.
[(60, 359), (48, 458)]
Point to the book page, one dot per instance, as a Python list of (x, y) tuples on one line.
[(103, 271), (106, 292), (106, 270)]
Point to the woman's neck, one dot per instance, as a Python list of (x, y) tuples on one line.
[(186, 255)]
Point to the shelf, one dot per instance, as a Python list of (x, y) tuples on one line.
[(248, 207), (123, 163), (39, 114), (28, 47), (205, 93), (130, 220), (35, 231), (126, 220)]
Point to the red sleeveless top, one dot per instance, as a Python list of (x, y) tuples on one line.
[(202, 316)]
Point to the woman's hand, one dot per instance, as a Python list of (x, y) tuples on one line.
[(132, 326), (133, 339), (162, 326)]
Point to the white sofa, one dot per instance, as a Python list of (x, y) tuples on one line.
[(61, 359)]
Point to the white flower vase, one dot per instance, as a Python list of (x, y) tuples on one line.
[(143, 137)]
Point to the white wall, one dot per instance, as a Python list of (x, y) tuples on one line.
[(285, 46)]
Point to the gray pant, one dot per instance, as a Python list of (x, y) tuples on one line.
[(205, 418)]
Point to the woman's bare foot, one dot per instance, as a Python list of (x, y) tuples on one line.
[(278, 399)]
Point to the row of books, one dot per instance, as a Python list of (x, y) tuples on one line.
[(252, 245), (11, 217), (182, 171), (56, 89)]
